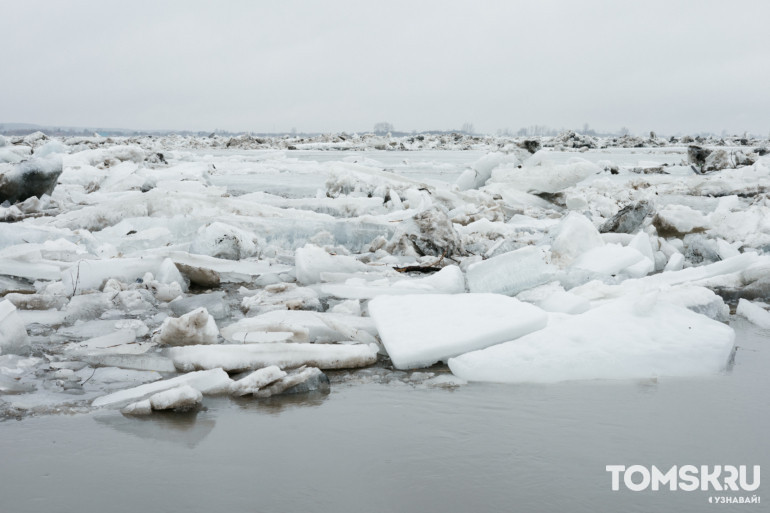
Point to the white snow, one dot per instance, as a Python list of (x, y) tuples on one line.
[(629, 338), (420, 330)]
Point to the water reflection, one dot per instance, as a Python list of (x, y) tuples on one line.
[(184, 428), (278, 404)]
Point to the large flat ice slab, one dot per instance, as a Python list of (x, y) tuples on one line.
[(241, 357), (420, 330), (629, 338)]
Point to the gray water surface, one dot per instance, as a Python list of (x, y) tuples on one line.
[(388, 448)]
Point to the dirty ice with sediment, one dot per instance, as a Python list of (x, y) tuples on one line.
[(148, 273)]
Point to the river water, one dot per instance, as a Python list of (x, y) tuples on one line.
[(389, 448)]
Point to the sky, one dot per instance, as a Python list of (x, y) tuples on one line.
[(330, 66)]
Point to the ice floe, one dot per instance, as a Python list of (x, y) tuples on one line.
[(628, 338), (418, 331), (241, 357)]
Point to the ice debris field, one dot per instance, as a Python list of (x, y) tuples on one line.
[(146, 273)]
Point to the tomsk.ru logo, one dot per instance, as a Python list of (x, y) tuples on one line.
[(687, 478)]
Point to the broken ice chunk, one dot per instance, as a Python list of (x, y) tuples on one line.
[(754, 313), (675, 262), (213, 302), (481, 170), (92, 274), (449, 280), (305, 326), (241, 357), (680, 219), (221, 240), (209, 271), (35, 177), (628, 219), (609, 259), (420, 330), (214, 381), (181, 398), (196, 327), (256, 380), (282, 296), (138, 408), (297, 382), (13, 333), (146, 362), (311, 261), (629, 338), (553, 298), (512, 272), (117, 342), (574, 235), (541, 175)]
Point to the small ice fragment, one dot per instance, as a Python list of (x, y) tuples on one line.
[(300, 381), (13, 333), (256, 380), (196, 327), (754, 313), (138, 408), (181, 398)]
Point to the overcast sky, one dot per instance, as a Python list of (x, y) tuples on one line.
[(334, 65)]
